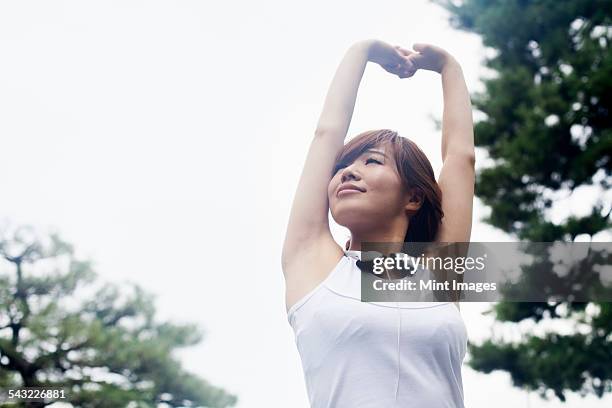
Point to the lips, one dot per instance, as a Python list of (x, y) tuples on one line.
[(349, 189)]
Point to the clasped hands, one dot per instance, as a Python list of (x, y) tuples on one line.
[(403, 62)]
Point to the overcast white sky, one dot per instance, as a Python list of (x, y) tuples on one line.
[(165, 140)]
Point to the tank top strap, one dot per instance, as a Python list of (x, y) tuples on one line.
[(346, 281)]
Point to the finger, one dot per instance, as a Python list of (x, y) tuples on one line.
[(401, 74), (404, 50), (415, 60), (420, 47), (398, 67), (408, 62), (403, 61), (411, 72), (406, 75)]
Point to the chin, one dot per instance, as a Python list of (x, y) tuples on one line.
[(351, 218)]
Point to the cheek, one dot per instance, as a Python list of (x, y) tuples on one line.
[(383, 181), (331, 187), (388, 188), (334, 182)]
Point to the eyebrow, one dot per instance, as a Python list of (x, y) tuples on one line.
[(376, 151)]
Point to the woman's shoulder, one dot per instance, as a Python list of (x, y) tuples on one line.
[(309, 270)]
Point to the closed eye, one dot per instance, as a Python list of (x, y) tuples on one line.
[(341, 166)]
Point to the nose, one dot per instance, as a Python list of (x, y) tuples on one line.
[(349, 173)]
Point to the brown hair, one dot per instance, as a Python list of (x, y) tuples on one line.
[(415, 171)]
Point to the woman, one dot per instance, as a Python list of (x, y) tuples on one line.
[(382, 188)]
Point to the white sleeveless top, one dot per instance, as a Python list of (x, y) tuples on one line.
[(377, 354)]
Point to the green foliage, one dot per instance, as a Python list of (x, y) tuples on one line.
[(101, 344), (547, 129), (547, 113), (554, 361)]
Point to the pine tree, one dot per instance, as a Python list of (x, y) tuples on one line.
[(102, 345), (546, 125)]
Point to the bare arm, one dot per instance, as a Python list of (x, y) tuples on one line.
[(457, 177), (337, 113), (457, 125), (308, 222)]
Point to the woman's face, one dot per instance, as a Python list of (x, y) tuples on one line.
[(381, 196)]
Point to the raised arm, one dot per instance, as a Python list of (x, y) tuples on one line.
[(339, 104), (308, 221), (457, 176)]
